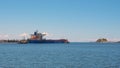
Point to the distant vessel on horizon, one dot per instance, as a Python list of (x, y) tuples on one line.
[(38, 38)]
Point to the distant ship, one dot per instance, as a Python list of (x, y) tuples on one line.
[(38, 38)]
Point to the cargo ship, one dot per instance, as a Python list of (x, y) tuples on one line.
[(38, 38)]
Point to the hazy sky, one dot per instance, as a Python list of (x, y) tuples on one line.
[(76, 20)]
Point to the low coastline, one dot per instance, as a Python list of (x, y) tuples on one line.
[(9, 41)]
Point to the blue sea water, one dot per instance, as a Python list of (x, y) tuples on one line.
[(73, 55)]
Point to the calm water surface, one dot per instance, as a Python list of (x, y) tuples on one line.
[(73, 55)]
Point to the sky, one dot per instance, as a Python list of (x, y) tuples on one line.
[(75, 20)]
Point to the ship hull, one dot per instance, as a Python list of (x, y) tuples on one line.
[(48, 41)]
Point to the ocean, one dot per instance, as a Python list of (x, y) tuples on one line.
[(72, 55)]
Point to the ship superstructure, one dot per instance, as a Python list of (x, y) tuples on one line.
[(37, 36)]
